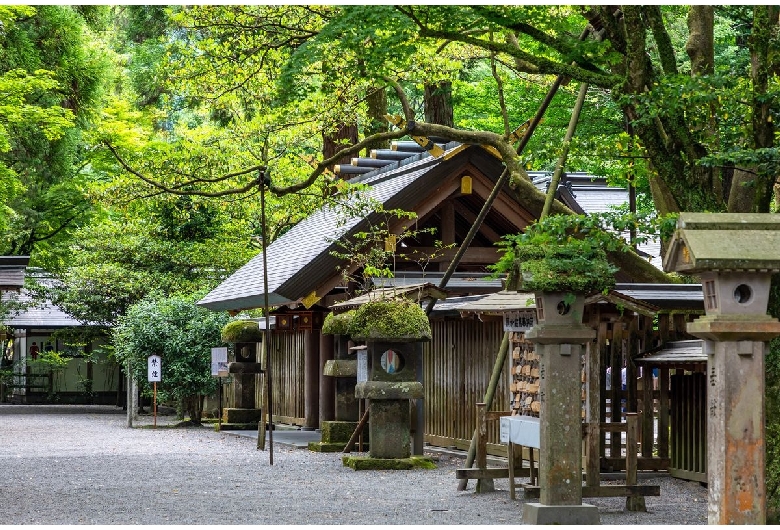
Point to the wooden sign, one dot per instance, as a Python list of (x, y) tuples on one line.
[(520, 320)]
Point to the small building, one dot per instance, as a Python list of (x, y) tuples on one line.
[(51, 361)]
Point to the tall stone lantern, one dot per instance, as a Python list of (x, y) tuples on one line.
[(561, 274), (734, 255)]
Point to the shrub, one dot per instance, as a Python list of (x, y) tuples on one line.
[(390, 319), (337, 324)]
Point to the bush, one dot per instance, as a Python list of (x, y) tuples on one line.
[(337, 324), (574, 266), (390, 319)]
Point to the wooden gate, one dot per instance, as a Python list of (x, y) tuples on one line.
[(688, 429)]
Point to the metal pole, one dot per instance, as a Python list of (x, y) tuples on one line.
[(220, 404), (267, 330)]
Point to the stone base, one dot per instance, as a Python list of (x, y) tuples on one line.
[(360, 463), (339, 431), (327, 447), (537, 513), (235, 426), (235, 415)]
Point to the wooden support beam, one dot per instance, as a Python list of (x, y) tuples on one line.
[(475, 473), (618, 490), (471, 217)]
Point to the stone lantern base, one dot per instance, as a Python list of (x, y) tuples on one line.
[(361, 463), (335, 436), (537, 513), (235, 418)]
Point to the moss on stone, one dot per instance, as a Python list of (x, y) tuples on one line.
[(399, 319), (337, 324), (242, 331), (362, 463)]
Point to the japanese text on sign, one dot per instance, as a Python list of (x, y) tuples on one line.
[(154, 365), (521, 320)]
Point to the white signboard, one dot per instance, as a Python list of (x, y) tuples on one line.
[(362, 366), (219, 364), (154, 366), (520, 320)]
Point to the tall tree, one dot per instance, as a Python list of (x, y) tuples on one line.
[(54, 74)]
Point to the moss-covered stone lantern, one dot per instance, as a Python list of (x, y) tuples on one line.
[(734, 255), (343, 368), (247, 338), (394, 330), (561, 275)]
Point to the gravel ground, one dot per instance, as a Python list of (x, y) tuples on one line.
[(71, 465)]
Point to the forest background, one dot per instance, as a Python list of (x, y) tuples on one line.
[(133, 139)]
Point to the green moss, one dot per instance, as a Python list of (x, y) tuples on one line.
[(337, 324), (361, 463), (576, 266), (242, 331), (390, 319)]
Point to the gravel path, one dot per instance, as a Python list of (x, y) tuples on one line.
[(65, 465)]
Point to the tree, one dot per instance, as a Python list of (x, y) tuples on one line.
[(52, 74), (170, 245), (182, 334)]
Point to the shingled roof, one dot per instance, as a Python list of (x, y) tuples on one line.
[(300, 260)]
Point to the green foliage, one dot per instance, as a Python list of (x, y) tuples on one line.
[(337, 324), (557, 249), (385, 318), (242, 331), (182, 334), (576, 265)]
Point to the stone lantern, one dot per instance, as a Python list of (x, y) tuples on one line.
[(247, 338), (394, 332), (734, 255), (560, 339)]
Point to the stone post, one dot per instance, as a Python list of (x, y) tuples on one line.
[(560, 337), (735, 256)]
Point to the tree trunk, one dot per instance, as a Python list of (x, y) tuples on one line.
[(377, 123), (344, 135), (195, 409), (438, 104), (700, 46)]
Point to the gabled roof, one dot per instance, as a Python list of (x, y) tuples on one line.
[(301, 261)]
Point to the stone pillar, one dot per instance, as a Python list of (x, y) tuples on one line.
[(736, 451), (311, 379), (559, 337)]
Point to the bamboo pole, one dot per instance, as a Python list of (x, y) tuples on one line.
[(556, 178)]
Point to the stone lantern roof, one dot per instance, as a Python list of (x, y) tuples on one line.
[(708, 242)]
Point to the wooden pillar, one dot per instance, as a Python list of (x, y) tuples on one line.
[(632, 343), (311, 379), (663, 413), (593, 401), (327, 383)]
